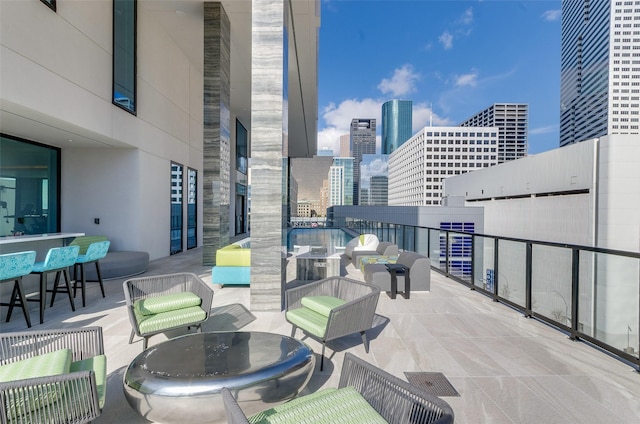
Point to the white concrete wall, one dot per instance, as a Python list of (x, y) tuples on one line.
[(58, 66)]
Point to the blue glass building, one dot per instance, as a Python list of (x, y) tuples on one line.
[(396, 124)]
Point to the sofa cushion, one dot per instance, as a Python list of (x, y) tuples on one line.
[(311, 321), (166, 303), (344, 405), (262, 417), (148, 324), (97, 364), (45, 365), (322, 304), (225, 275)]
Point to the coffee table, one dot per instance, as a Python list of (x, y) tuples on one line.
[(179, 380)]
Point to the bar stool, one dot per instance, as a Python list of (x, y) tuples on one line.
[(95, 252), (58, 260), (13, 266)]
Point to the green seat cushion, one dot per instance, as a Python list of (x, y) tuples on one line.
[(310, 321), (263, 416), (52, 363), (148, 324), (45, 365), (342, 406), (322, 304), (97, 364), (166, 303)]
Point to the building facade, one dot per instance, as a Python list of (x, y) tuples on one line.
[(341, 175), (600, 69), (418, 168), (378, 190), (512, 121), (363, 141), (310, 175), (397, 121), (93, 121)]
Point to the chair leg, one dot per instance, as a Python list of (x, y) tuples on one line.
[(131, 336), (18, 294), (43, 294), (145, 341), (322, 357), (54, 291), (363, 334), (82, 284), (293, 331), (67, 280), (99, 277)]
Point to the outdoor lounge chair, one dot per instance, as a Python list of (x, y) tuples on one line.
[(52, 376), (365, 394), (332, 308), (165, 302)]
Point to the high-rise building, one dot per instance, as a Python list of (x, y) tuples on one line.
[(418, 167), (512, 121), (341, 182), (378, 190), (310, 174), (345, 145), (396, 124), (599, 67), (363, 141)]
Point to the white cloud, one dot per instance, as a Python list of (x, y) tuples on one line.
[(446, 39), (552, 15), (424, 116), (543, 130), (338, 121), (402, 82), (467, 17), (470, 79)]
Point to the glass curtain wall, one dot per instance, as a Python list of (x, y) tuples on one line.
[(192, 204), (176, 208)]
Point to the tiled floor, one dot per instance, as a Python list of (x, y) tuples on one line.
[(507, 368)]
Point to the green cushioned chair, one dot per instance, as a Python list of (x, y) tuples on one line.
[(366, 394), (52, 376), (332, 308), (165, 302)]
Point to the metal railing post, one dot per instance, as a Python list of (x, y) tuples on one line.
[(528, 288), (575, 287)]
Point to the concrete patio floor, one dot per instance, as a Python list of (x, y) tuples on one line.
[(506, 368)]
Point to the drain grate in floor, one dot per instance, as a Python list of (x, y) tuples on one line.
[(434, 383)]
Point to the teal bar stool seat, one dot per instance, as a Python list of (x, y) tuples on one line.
[(58, 260), (13, 266), (95, 252)]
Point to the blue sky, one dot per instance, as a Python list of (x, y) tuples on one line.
[(451, 58)]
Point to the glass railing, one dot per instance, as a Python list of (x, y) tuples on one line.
[(591, 293)]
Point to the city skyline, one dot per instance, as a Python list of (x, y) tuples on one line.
[(449, 58)]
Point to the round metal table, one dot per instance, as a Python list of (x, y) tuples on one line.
[(179, 380)]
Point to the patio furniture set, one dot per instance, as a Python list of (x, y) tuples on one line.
[(229, 375)]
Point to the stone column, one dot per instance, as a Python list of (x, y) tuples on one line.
[(268, 151), (217, 134)]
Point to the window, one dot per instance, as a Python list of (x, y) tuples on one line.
[(176, 208), (242, 147), (124, 54), (29, 187), (192, 205)]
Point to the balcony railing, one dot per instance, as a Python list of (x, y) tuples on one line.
[(590, 293)]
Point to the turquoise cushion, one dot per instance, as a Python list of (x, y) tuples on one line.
[(45, 365), (97, 364), (310, 321), (166, 303), (322, 304), (342, 406), (148, 324)]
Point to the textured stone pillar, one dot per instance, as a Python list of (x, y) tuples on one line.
[(217, 134), (268, 151)]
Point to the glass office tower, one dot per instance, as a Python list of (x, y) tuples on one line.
[(599, 65), (363, 141), (396, 124)]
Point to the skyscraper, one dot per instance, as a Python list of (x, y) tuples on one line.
[(341, 182), (363, 141), (599, 68), (396, 124), (512, 120)]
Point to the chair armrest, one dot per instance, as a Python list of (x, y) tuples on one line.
[(84, 343), (69, 397), (395, 400), (231, 407), (204, 292)]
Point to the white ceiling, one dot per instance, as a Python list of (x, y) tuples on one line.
[(183, 19)]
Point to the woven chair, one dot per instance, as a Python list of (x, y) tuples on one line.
[(165, 302), (394, 401), (332, 308), (76, 396)]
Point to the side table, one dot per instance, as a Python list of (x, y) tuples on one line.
[(395, 270)]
